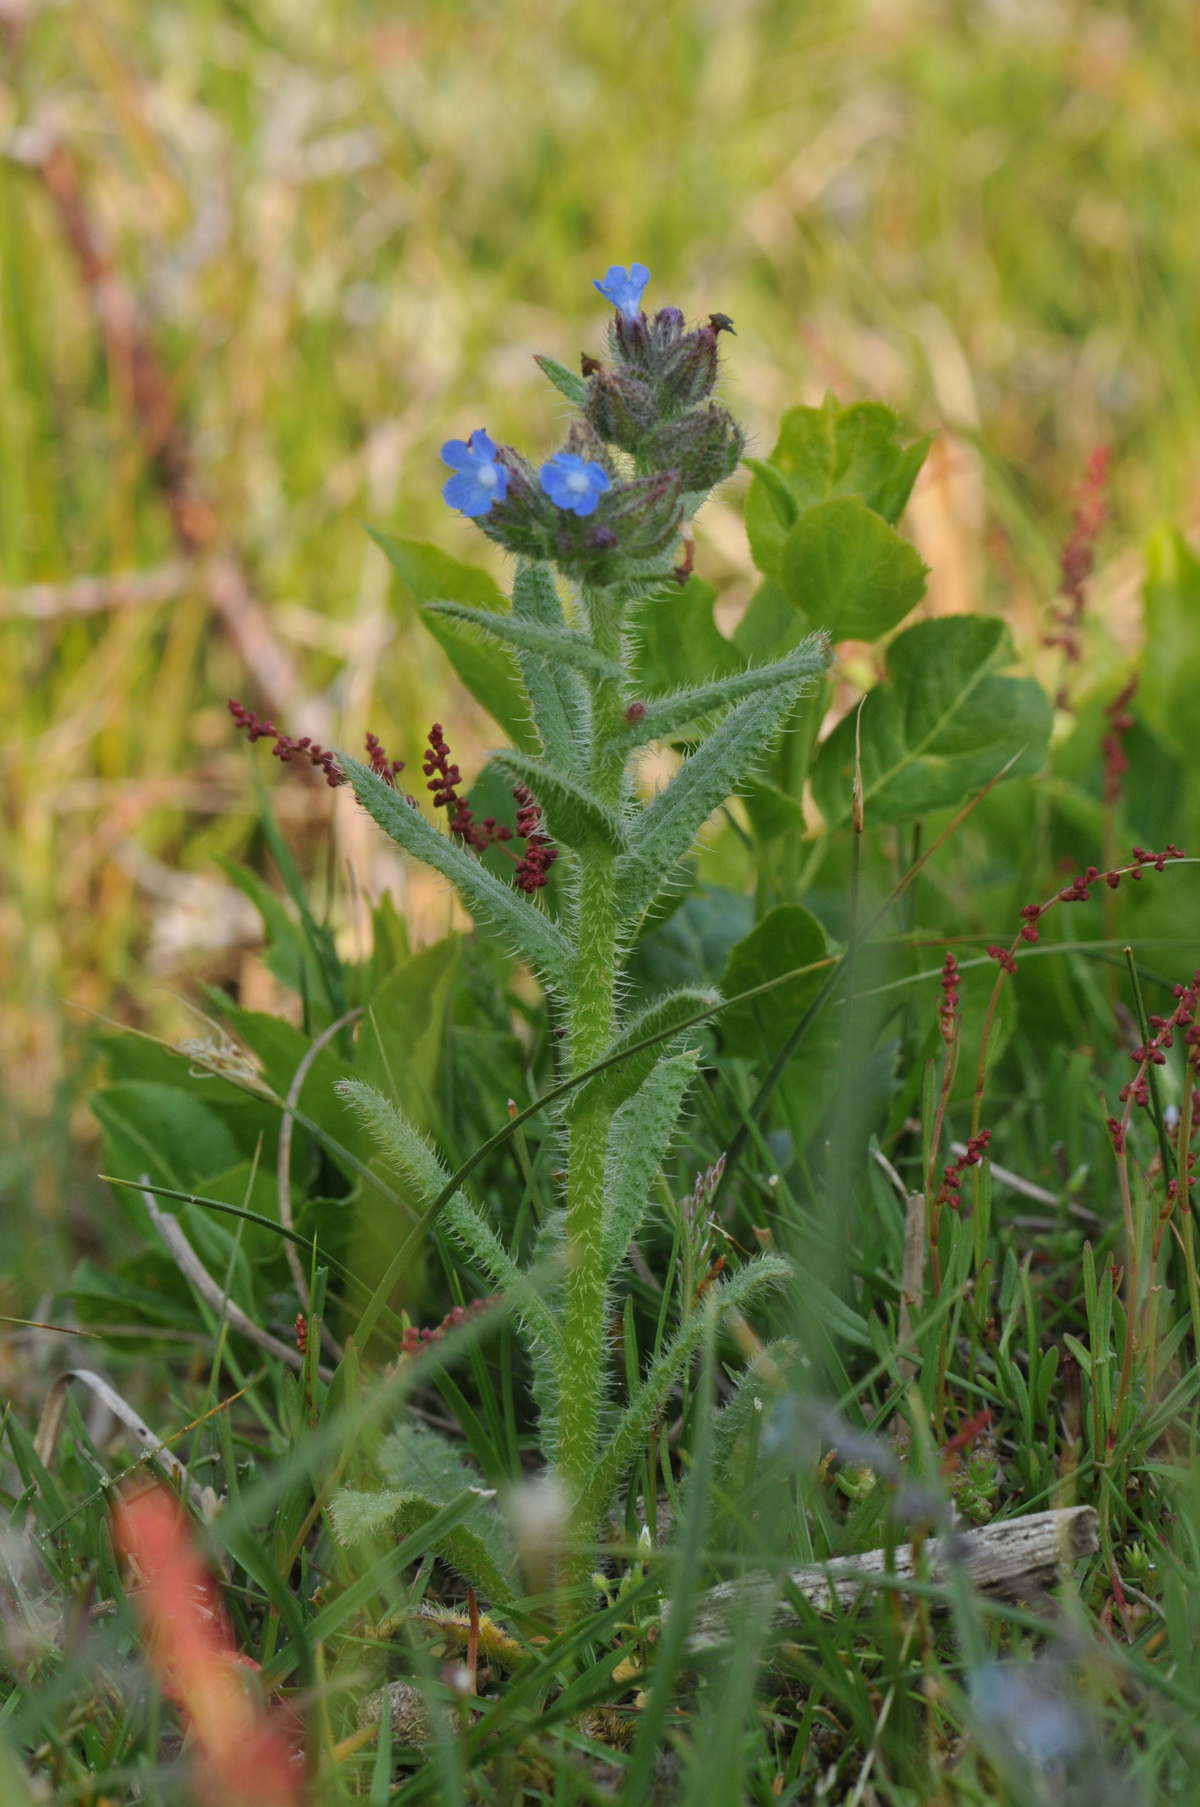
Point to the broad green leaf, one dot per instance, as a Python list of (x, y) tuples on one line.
[(943, 725), (848, 572), (400, 1041), (772, 812), (789, 936), (832, 451), (564, 380), (692, 945), (572, 814), (164, 1132), (558, 697), (1169, 692), (676, 641), (513, 916), (430, 575), (664, 832), (771, 626), (671, 713), (147, 1289), (287, 954)]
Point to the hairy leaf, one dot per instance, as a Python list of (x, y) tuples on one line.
[(427, 573), (560, 701), (942, 726), (637, 1420), (573, 815), (667, 827), (357, 1516), (403, 1143), (848, 572), (625, 1076), (515, 917), (563, 644), (638, 1143), (564, 380), (670, 713)]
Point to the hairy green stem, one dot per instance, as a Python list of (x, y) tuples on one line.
[(593, 1023)]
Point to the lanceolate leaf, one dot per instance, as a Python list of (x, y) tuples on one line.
[(639, 1415), (515, 917), (559, 699), (848, 572), (357, 1516), (667, 827), (942, 726), (403, 1144), (573, 815), (428, 573), (564, 380), (558, 643), (638, 1143), (624, 1077), (674, 712)]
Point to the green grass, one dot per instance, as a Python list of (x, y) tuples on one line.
[(349, 231)]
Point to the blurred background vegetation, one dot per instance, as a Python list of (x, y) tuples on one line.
[(258, 261)]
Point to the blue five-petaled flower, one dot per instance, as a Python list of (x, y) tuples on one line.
[(478, 479), (574, 484), (625, 288)]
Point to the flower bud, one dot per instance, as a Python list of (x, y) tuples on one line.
[(621, 408), (584, 442), (688, 370), (702, 449), (632, 522), (645, 513), (524, 522)]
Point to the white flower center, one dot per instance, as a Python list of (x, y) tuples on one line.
[(485, 476), (577, 483)]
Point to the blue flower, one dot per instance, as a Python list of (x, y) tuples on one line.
[(573, 484), (625, 290), (478, 480)]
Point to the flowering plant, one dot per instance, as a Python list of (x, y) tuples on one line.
[(595, 532)]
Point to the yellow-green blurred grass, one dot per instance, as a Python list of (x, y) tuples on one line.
[(352, 225)]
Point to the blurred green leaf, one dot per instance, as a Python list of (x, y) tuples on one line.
[(164, 1132), (848, 572), (772, 812), (488, 671), (942, 726), (400, 1042), (788, 936), (678, 643), (1170, 688)]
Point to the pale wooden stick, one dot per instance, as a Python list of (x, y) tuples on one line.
[(1014, 1559)]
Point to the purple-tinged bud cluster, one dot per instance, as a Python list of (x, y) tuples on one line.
[(601, 518)]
